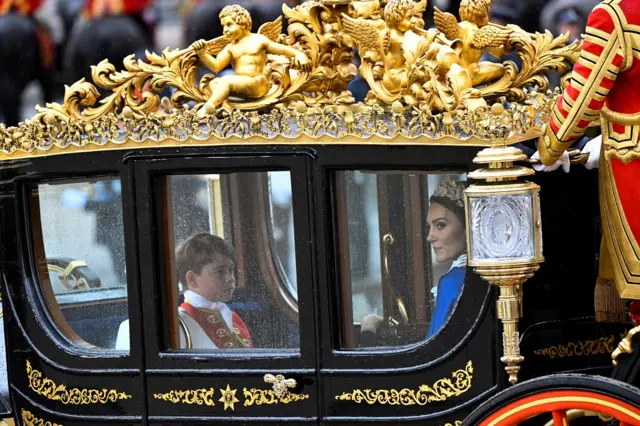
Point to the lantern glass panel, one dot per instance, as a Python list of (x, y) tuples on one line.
[(502, 227)]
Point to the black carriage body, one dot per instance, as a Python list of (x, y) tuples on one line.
[(56, 381)]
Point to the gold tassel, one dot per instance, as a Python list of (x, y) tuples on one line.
[(609, 306)]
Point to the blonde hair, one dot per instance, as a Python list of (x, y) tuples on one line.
[(397, 10), (476, 11), (239, 14)]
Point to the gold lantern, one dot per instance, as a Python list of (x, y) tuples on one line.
[(504, 234)]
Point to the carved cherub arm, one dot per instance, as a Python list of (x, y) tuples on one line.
[(218, 63), (301, 60), (271, 31), (207, 49)]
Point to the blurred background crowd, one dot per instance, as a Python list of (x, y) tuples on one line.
[(49, 43)]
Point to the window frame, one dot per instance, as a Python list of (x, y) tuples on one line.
[(24, 296), (44, 288), (147, 169), (428, 159)]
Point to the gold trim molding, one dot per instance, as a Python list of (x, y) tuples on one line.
[(357, 124), (195, 396), (456, 423), (603, 345), (267, 396), (206, 397), (441, 390), (49, 389), (28, 419)]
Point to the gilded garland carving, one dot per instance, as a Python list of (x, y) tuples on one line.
[(173, 126), (267, 396), (206, 397), (441, 390), (74, 396), (196, 396), (456, 423), (428, 84), (28, 419), (603, 345)]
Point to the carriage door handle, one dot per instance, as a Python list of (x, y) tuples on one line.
[(387, 242)]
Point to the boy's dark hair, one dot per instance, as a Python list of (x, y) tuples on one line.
[(199, 250)]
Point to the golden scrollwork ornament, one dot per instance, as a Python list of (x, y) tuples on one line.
[(423, 83), (29, 419), (73, 396), (203, 396), (441, 390), (603, 345)]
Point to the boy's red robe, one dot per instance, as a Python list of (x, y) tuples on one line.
[(216, 328)]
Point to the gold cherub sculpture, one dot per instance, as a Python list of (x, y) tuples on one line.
[(473, 36), (382, 41), (247, 52), (402, 61)]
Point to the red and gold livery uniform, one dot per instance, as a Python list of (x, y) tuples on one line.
[(97, 8), (24, 7), (604, 85)]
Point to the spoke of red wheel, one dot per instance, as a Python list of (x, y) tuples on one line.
[(560, 418)]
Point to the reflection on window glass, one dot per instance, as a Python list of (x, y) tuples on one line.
[(281, 212), (233, 268), (402, 245), (80, 242)]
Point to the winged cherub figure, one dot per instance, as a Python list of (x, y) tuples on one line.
[(247, 53), (473, 36), (384, 45)]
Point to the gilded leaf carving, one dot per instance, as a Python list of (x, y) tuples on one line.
[(58, 392), (441, 390)]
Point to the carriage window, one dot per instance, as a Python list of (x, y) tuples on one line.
[(231, 265), (79, 243), (402, 254)]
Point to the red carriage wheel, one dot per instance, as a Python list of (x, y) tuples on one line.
[(554, 396)]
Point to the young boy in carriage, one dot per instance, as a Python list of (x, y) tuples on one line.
[(206, 267)]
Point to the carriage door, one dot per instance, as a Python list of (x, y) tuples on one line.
[(226, 269), (387, 275)]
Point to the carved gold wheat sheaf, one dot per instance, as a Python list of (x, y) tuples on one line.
[(267, 396), (603, 345), (195, 396), (74, 396), (28, 419), (441, 390)]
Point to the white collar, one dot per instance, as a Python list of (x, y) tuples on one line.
[(200, 302), (460, 262)]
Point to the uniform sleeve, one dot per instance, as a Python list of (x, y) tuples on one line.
[(594, 74)]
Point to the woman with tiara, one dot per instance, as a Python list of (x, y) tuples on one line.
[(447, 236)]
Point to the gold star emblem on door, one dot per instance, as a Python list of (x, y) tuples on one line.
[(228, 398)]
